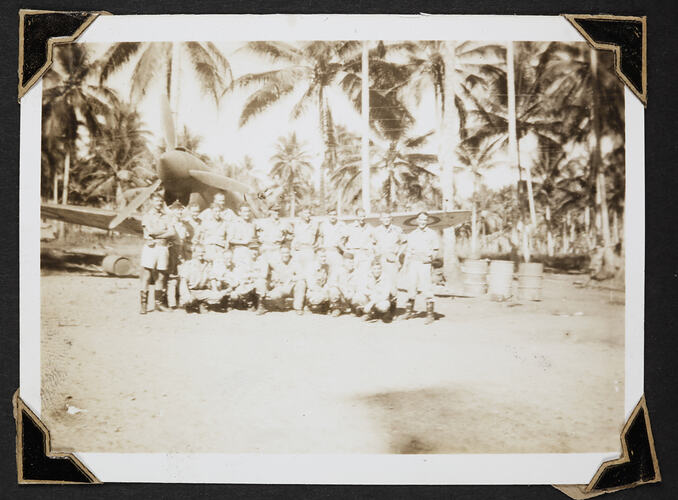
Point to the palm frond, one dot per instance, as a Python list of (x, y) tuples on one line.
[(115, 57)]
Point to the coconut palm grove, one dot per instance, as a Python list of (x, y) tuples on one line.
[(527, 135)]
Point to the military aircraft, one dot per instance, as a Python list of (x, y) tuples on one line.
[(186, 178)]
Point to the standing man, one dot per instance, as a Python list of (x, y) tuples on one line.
[(304, 243), (218, 206), (388, 245), (155, 254), (422, 245), (271, 233), (192, 223), (177, 250), (214, 235), (360, 243), (243, 237), (333, 237)]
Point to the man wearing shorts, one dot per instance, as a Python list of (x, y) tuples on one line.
[(158, 229)]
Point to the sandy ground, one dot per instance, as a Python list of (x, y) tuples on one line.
[(486, 377)]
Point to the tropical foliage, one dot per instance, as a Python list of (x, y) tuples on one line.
[(567, 116)]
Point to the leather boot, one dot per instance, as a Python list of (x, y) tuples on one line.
[(143, 301), (429, 314), (409, 310), (161, 301)]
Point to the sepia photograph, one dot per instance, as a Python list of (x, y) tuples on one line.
[(333, 246)]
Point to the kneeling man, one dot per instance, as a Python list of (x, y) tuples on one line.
[(282, 281), (377, 294)]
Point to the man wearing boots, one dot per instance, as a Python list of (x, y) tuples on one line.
[(422, 245), (388, 240), (333, 237), (158, 230)]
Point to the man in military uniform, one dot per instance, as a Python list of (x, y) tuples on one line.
[(158, 230), (243, 238), (343, 288), (214, 235), (379, 300), (281, 281), (333, 238), (388, 240), (248, 281), (218, 206), (317, 289), (422, 245), (194, 276), (177, 250), (304, 243), (192, 223), (360, 242), (271, 233)]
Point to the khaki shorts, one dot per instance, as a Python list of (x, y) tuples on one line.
[(155, 257)]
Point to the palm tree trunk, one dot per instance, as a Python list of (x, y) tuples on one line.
[(549, 233), (597, 160), (55, 191), (365, 140), (293, 197), (514, 154), (448, 141), (615, 227), (474, 216), (326, 156), (67, 171)]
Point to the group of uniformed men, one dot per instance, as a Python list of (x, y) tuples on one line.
[(217, 259)]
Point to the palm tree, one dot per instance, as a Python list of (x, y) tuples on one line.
[(291, 169), (455, 71), (163, 60), (477, 159), (70, 102), (310, 66), (119, 156)]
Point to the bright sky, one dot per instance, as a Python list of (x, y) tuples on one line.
[(218, 126)]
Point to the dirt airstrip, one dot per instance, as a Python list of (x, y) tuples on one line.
[(486, 377)]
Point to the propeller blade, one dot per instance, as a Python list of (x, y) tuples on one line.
[(168, 123), (133, 205), (220, 181)]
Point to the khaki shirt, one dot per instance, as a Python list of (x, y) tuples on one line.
[(281, 273), (213, 232), (271, 233), (359, 237), (243, 232), (305, 235), (387, 239), (422, 245), (155, 222), (209, 213), (333, 235), (378, 288), (196, 273)]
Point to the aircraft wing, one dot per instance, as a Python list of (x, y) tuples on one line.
[(439, 219), (89, 216)]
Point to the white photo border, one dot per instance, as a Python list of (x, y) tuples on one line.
[(566, 468)]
